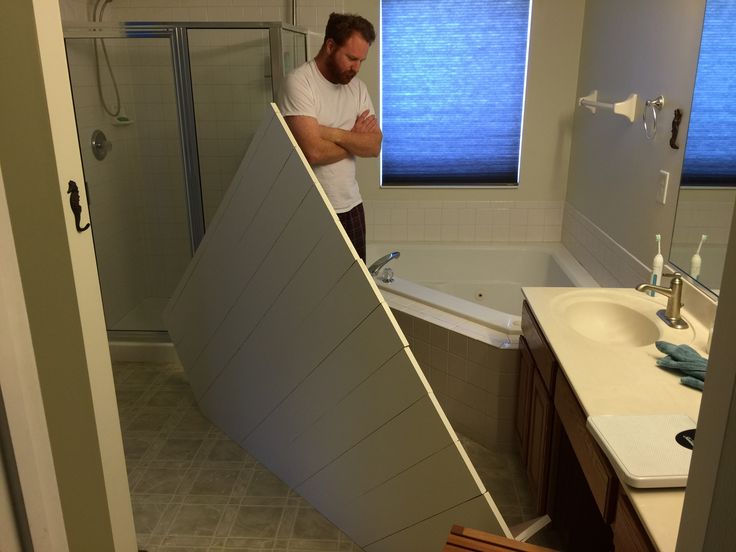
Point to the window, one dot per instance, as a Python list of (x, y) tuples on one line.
[(452, 91), (711, 141)]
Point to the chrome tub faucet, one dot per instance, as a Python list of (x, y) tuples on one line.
[(380, 263)]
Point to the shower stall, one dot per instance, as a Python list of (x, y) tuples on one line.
[(164, 113)]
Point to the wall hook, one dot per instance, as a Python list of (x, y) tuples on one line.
[(675, 128), (76, 206)]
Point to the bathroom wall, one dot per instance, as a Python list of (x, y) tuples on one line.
[(650, 48), (533, 210), (530, 212)]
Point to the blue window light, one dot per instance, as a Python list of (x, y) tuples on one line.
[(452, 91), (710, 155)]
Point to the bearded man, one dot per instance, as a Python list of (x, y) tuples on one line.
[(332, 117)]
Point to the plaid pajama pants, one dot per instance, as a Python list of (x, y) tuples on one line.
[(353, 221)]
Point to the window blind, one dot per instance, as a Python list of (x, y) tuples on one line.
[(452, 90), (710, 155)]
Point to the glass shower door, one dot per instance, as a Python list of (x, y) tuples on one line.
[(137, 196), (234, 78), (231, 87)]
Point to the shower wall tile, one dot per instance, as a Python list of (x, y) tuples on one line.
[(111, 183), (464, 221), (311, 14), (73, 10)]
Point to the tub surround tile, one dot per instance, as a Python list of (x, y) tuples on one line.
[(457, 367), (610, 264), (422, 330), (439, 337), (464, 221), (476, 388), (438, 359), (458, 344)]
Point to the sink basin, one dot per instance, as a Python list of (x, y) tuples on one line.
[(610, 322)]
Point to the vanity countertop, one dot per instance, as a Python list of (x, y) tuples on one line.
[(624, 380)]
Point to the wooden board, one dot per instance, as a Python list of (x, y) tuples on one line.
[(292, 352)]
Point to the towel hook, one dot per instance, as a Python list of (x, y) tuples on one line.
[(652, 105)]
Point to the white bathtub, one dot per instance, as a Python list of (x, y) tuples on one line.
[(480, 283)]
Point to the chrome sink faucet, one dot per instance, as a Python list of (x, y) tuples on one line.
[(670, 314)]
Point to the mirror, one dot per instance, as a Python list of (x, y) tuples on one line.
[(707, 194)]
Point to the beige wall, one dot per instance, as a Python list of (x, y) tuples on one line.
[(59, 278), (554, 49), (649, 48)]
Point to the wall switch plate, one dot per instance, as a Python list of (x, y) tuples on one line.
[(664, 181)]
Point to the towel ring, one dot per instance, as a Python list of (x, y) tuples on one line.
[(652, 105)]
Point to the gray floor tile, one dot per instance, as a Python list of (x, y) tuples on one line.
[(265, 483), (257, 522), (197, 520), (147, 516), (194, 489), (179, 449), (310, 524), (158, 481), (214, 482)]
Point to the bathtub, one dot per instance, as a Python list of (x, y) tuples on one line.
[(479, 283)]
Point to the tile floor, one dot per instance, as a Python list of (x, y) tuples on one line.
[(195, 490)]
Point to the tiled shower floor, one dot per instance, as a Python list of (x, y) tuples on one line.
[(195, 490)]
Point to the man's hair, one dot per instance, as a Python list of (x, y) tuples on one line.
[(341, 26)]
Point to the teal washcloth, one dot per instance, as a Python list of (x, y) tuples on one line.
[(692, 382), (685, 360)]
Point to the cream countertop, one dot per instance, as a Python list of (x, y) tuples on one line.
[(617, 379)]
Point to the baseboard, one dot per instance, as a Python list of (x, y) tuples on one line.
[(131, 351)]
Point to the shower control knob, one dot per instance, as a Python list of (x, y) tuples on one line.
[(100, 145)]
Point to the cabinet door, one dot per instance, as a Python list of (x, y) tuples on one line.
[(540, 430), (523, 402), (628, 533)]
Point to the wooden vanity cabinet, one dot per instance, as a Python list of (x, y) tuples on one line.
[(595, 466), (523, 402), (628, 533), (535, 407), (570, 477)]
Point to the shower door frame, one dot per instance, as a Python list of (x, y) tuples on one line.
[(177, 33)]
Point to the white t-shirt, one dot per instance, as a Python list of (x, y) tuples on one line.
[(307, 92)]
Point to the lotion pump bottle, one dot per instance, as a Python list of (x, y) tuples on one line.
[(696, 261), (657, 265)]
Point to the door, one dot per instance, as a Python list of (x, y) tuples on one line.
[(58, 278), (129, 134)]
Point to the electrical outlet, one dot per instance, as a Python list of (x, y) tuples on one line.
[(664, 181)]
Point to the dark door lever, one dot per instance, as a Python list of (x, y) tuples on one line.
[(76, 206)]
